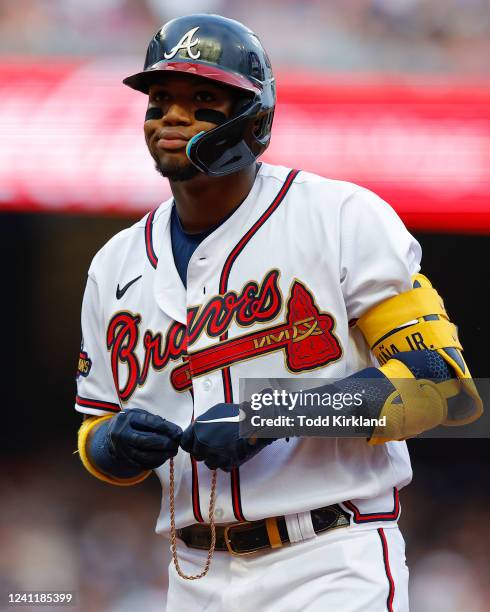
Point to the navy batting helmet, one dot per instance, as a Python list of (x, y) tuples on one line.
[(225, 51)]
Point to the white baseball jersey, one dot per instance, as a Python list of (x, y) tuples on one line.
[(300, 247)]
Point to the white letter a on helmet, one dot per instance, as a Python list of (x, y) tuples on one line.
[(185, 42)]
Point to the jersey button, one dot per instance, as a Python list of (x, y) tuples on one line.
[(218, 513), (207, 384)]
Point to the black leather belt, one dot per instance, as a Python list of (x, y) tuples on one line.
[(250, 537)]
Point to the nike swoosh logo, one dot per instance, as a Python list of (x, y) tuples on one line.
[(241, 416), (121, 292)]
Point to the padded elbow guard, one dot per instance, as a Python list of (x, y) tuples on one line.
[(422, 383), (417, 321)]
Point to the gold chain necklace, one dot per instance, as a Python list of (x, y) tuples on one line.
[(173, 533)]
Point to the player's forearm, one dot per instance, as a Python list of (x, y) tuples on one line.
[(408, 394)]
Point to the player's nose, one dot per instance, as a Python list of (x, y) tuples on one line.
[(178, 114)]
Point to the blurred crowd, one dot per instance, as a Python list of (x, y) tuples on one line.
[(62, 529), (368, 35)]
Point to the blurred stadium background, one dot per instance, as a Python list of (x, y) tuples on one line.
[(392, 94)]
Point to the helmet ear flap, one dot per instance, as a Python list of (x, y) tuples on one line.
[(227, 148), (263, 125), (242, 101)]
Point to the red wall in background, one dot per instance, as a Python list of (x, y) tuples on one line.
[(71, 140)]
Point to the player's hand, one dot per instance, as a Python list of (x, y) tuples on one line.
[(214, 437), (142, 439)]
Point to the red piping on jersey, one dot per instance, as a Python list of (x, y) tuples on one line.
[(149, 239), (225, 274), (90, 403), (377, 516), (386, 561), (196, 503), (223, 287)]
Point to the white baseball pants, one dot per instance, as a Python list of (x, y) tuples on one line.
[(343, 570)]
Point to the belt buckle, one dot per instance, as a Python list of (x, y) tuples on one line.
[(226, 536), (340, 519)]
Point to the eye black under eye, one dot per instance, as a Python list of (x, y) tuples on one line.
[(153, 112)]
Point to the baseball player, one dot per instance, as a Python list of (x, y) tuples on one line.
[(258, 271)]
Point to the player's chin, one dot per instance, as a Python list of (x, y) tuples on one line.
[(177, 169)]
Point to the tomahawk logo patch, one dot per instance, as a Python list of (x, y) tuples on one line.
[(185, 43), (306, 337)]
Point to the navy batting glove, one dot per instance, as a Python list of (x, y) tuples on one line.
[(142, 439), (214, 437)]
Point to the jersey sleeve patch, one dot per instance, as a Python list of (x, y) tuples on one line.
[(84, 365)]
